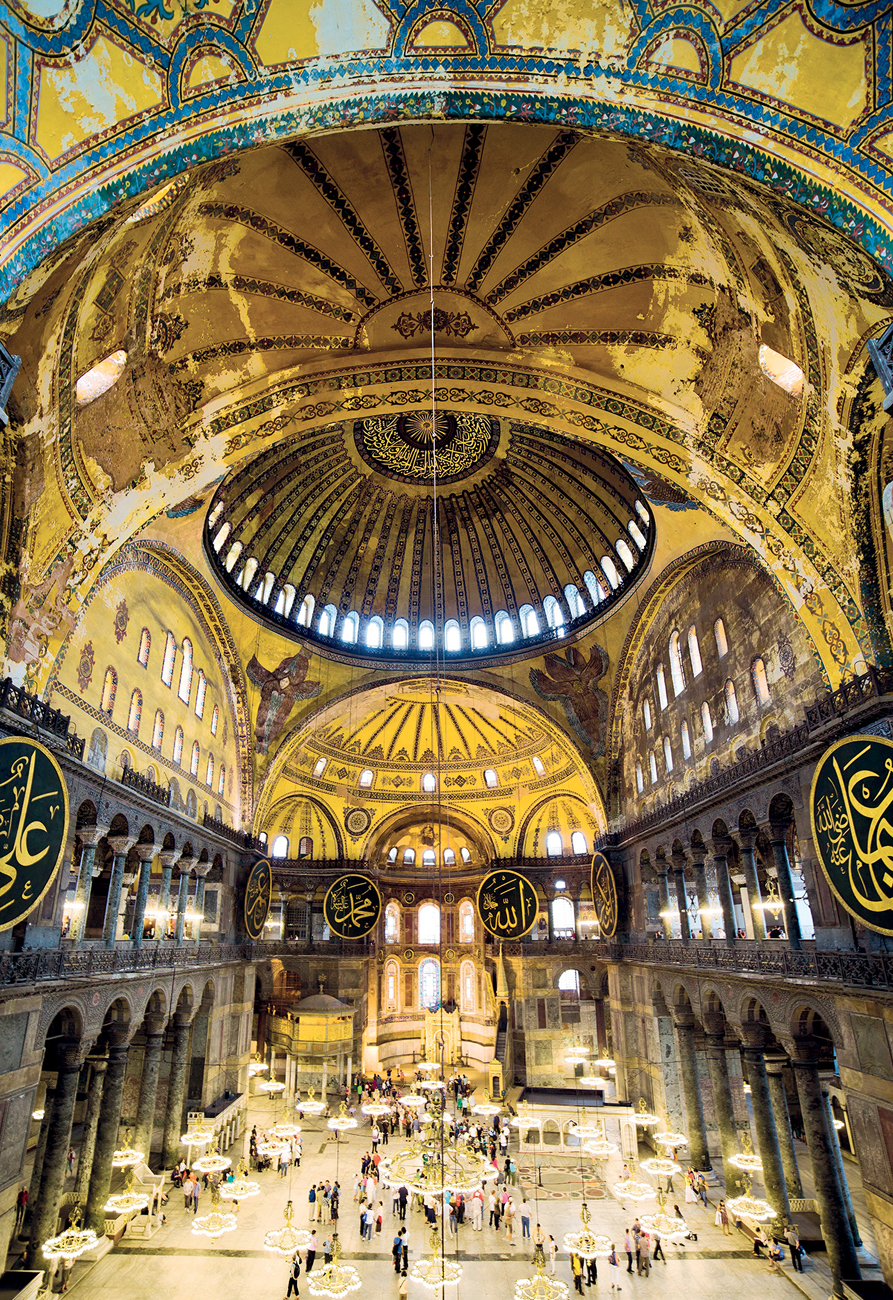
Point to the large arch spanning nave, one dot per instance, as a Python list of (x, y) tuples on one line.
[(442, 440)]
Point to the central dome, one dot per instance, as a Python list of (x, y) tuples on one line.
[(333, 535)]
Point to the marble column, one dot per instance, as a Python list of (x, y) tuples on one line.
[(120, 846), (185, 866), (89, 837), (778, 837), (176, 1092), (719, 848), (45, 1212), (820, 1138), (747, 839), (145, 853), (698, 855), (841, 1173), (663, 894), (153, 1026), (694, 1111), (678, 860), (107, 1129), (88, 1139), (167, 857), (775, 1074), (41, 1149), (718, 1068), (201, 871), (764, 1123)]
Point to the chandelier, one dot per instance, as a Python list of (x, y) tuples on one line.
[(425, 1066), (311, 1106), (272, 1149), (38, 1114), (271, 1086), (212, 1163), (285, 1241), (126, 1155), (525, 1117), (429, 1167), (605, 1062), (213, 1225), (431, 1085), (598, 1146), (257, 1067), (670, 1139), (435, 1270), (540, 1287), (746, 1159), (198, 1136), (240, 1188), (375, 1109), (750, 1207), (413, 1099), (589, 1128), (661, 1168), (668, 1226), (629, 1189), (486, 1108), (643, 1116), (73, 1242), (286, 1128), (341, 1122), (336, 1279), (586, 1243), (127, 1201)]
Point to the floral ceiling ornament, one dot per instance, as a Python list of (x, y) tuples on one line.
[(122, 618), (457, 323), (86, 664)]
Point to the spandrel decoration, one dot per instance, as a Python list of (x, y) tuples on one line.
[(33, 826), (507, 904), (851, 805), (258, 896), (352, 906), (604, 895)]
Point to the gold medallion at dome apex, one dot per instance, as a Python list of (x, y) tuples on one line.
[(421, 446)]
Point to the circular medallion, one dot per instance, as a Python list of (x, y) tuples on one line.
[(449, 955), (507, 904), (352, 906), (33, 825), (413, 446), (258, 896), (408, 954), (852, 790), (501, 820), (449, 898), (408, 898), (604, 895), (358, 820)]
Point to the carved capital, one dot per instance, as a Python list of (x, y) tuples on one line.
[(90, 836), (145, 852), (121, 844)]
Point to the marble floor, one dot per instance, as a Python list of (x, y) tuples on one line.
[(237, 1265)]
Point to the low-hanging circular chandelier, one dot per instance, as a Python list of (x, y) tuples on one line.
[(73, 1242), (598, 1146), (286, 1128), (660, 1168), (540, 1287), (670, 1139), (285, 1241), (668, 1226), (605, 1062), (589, 1129), (643, 1117), (413, 1100), (486, 1108), (311, 1106), (427, 1066), (128, 1201), (199, 1136), (746, 1159), (212, 1163), (526, 1117), (432, 1085), (126, 1155), (586, 1243), (257, 1067), (271, 1086), (750, 1207), (341, 1122), (630, 1189), (435, 1271), (335, 1279), (38, 1114), (216, 1223), (272, 1149), (376, 1109), (241, 1188)]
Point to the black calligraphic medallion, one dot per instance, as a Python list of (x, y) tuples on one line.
[(258, 896), (851, 805), (352, 906), (604, 895), (507, 904), (33, 826)]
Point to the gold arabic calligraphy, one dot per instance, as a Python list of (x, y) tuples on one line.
[(352, 907), (852, 817), (33, 827), (384, 444), (508, 904)]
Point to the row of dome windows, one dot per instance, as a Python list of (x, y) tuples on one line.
[(554, 849), (429, 780), (527, 624)]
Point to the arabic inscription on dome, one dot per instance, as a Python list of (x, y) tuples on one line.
[(414, 446)]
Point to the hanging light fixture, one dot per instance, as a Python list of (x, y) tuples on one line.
[(486, 1108), (430, 1168), (630, 1189), (311, 1106), (643, 1117), (38, 1114), (127, 1201), (257, 1067), (376, 1109), (272, 1148), (73, 1242), (598, 1146), (341, 1122), (586, 1243), (271, 1086), (427, 1066), (668, 1226), (526, 1118), (286, 1127), (414, 1101), (126, 1155), (335, 1279), (540, 1287), (240, 1189), (772, 902), (285, 1241), (214, 1225), (435, 1271), (432, 1085), (589, 1129), (198, 1136), (212, 1163), (670, 1139), (660, 1168), (750, 1207), (746, 1159)]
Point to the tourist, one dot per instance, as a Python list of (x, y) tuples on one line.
[(311, 1252), (577, 1271), (293, 1276), (525, 1218), (793, 1239), (722, 1219), (553, 1252), (614, 1261), (311, 1198), (628, 1247), (776, 1255)]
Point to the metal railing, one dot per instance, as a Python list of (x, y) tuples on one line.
[(240, 838), (40, 714), (37, 964), (145, 785)]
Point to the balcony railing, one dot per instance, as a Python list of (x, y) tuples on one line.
[(67, 963), (40, 714), (144, 785), (240, 838)]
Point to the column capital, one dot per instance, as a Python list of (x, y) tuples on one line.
[(720, 845), (746, 837), (714, 1024), (154, 1025), (121, 844), (660, 867), (778, 831), (145, 852), (679, 861), (803, 1052), (168, 857), (185, 866), (201, 869), (754, 1038), (90, 836), (684, 1019), (775, 1064), (698, 854), (72, 1052)]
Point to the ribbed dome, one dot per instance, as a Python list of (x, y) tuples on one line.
[(333, 535)]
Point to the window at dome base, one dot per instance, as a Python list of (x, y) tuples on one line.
[(502, 530)]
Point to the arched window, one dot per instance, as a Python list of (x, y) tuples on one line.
[(392, 854), (280, 847), (428, 858), (215, 718), (109, 691), (400, 635), (178, 746), (223, 533), (193, 762), (375, 632), (319, 766), (722, 643), (505, 633), (367, 776), (285, 600), (563, 919), (98, 751), (185, 688), (209, 771), (327, 618), (449, 858), (245, 578), (646, 714), (594, 587), (652, 767), (305, 611), (452, 637), (429, 923), (429, 984), (231, 556), (642, 512), (636, 534), (677, 672), (467, 982), (610, 571), (266, 588), (530, 624), (661, 686), (464, 854), (135, 712), (221, 779), (574, 601), (668, 754), (491, 780), (145, 646), (694, 652), (578, 843), (201, 691), (466, 922), (429, 783), (409, 857), (392, 921), (426, 634), (305, 847), (707, 722), (554, 846), (263, 838), (569, 982), (158, 730), (350, 628), (686, 741), (167, 663), (538, 765), (622, 548), (640, 780), (731, 702), (391, 974), (554, 616), (479, 638), (760, 681)]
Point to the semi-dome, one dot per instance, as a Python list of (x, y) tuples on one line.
[(333, 535)]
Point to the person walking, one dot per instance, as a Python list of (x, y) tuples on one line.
[(293, 1277), (723, 1216), (645, 1259), (628, 1247), (525, 1218), (591, 1272), (311, 1197), (403, 1194), (792, 1237), (702, 1189), (577, 1271), (21, 1206), (397, 1252), (657, 1248), (311, 1253), (553, 1252), (614, 1261), (70, 1161), (196, 1193)]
